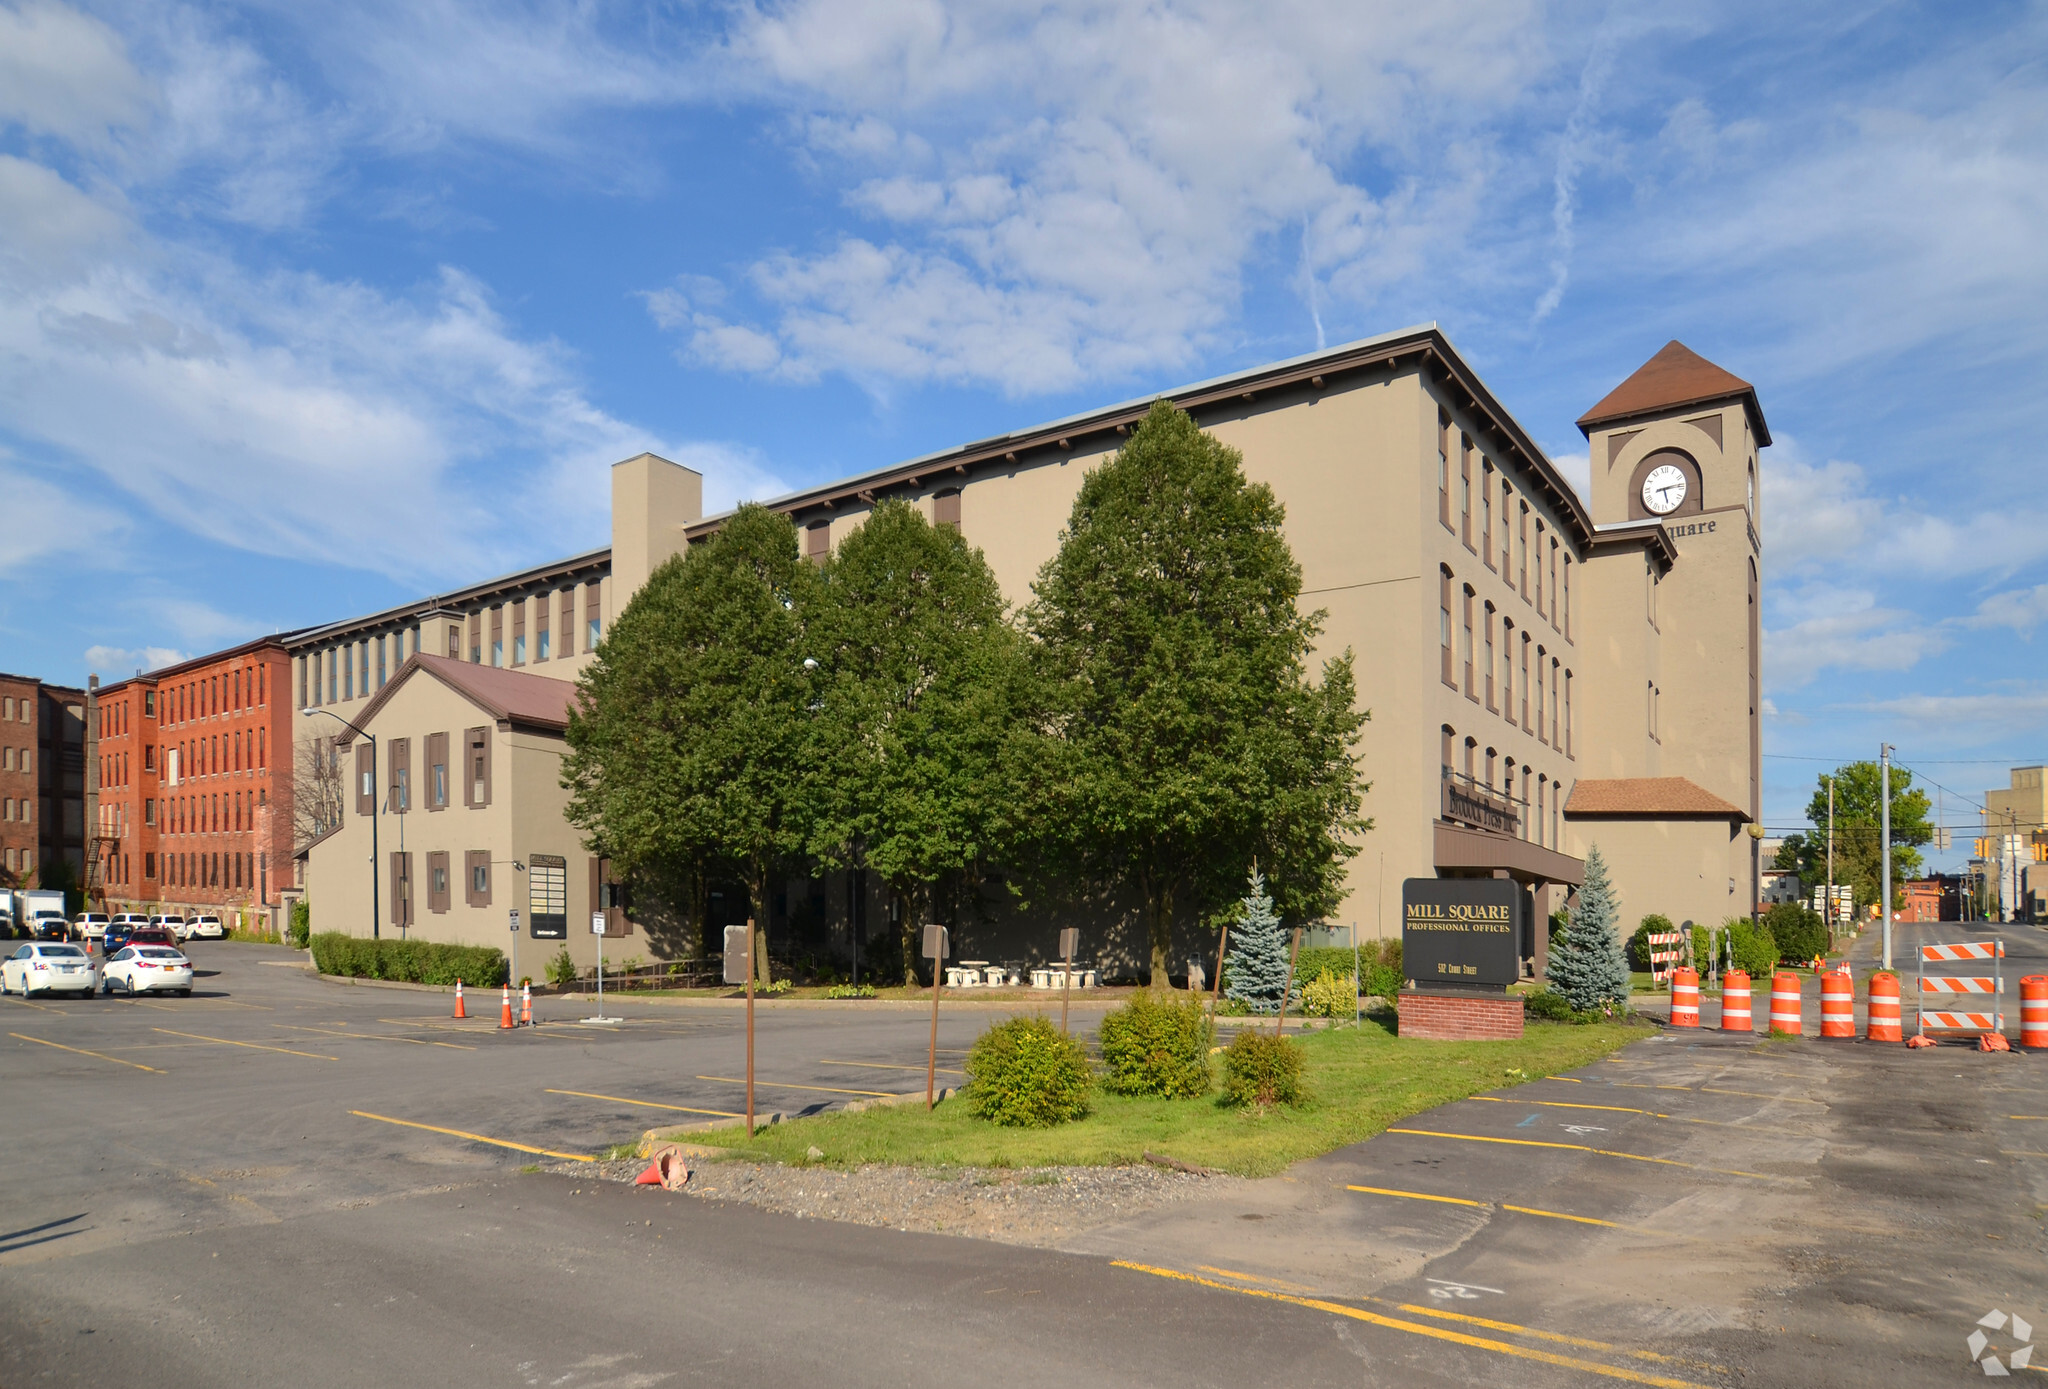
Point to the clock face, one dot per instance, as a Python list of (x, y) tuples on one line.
[(1664, 489)]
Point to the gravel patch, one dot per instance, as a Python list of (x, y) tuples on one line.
[(1040, 1206)]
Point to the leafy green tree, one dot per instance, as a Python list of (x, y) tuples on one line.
[(687, 745), (1587, 965), (1182, 735), (1859, 860), (917, 682)]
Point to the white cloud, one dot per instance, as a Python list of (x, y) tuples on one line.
[(67, 74), (2022, 609), (1844, 628), (45, 521), (2021, 713), (115, 662)]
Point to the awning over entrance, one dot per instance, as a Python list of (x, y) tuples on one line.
[(1475, 851)]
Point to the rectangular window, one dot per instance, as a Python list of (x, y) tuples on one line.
[(348, 672), (519, 632), (541, 606), (398, 760), (946, 509), (606, 895), (1486, 512), (1539, 694), (437, 771), (1507, 499), (1471, 686), (149, 704), (383, 674), (437, 881), (366, 778), (1539, 568), (1553, 704), (149, 865), (1553, 583), (1465, 489), (299, 665), (498, 636), (592, 612), (1542, 786), (1507, 669), (1489, 666), (476, 877), (1450, 674), (476, 639), (476, 779), (1443, 468), (1567, 713), (569, 621), (1566, 602)]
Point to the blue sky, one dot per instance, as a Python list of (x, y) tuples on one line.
[(308, 310)]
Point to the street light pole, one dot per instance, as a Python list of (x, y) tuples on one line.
[(1884, 802), (376, 886)]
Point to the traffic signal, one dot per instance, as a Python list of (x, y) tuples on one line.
[(1983, 848)]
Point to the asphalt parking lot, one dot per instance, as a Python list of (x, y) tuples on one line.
[(197, 1193)]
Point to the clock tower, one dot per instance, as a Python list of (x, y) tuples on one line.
[(1675, 573)]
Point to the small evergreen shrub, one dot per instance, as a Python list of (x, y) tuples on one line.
[(1702, 950), (1798, 930), (301, 923), (1587, 964), (1549, 1005), (1024, 1074), (1330, 995), (561, 970), (1154, 1047), (1255, 967), (410, 961), (1262, 1070)]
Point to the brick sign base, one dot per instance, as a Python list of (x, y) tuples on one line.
[(1459, 1017)]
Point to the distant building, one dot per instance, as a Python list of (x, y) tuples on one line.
[(42, 780)]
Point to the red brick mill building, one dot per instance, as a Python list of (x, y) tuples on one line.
[(195, 783)]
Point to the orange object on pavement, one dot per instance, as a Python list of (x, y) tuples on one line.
[(1785, 1004), (1883, 1024), (505, 1009), (1993, 1041), (1920, 1040), (2034, 1011), (1838, 1005), (1685, 997), (526, 1005), (460, 1011), (1735, 1003)]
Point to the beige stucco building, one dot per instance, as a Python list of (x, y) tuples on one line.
[(1544, 671)]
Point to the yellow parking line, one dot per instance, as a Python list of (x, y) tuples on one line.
[(1617, 1109), (474, 1137), (1582, 1342), (83, 1052), (2027, 1116), (777, 1085), (1254, 1278), (1417, 1329), (373, 1037), (889, 1066), (253, 1046), (1582, 1148), (648, 1104), (39, 1007), (1418, 1196), (1710, 1090)]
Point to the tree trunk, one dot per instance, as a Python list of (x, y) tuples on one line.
[(907, 926), (1159, 907), (757, 888)]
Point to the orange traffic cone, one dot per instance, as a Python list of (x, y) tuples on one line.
[(505, 1010), (460, 1011), (526, 1005)]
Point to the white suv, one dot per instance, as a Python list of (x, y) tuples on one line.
[(205, 926), (91, 925), (174, 924)]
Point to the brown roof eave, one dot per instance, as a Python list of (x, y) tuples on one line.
[(1427, 348), (1589, 422)]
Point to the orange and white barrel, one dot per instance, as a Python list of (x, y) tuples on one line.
[(1883, 1025), (2034, 1011), (1838, 1004), (1735, 1002), (1785, 1003), (1685, 997)]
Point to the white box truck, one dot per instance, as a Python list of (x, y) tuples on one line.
[(37, 909)]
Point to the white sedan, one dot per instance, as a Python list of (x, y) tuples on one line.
[(45, 967), (142, 969)]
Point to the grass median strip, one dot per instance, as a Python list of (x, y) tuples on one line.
[(474, 1137), (1440, 1333), (98, 1056), (253, 1046), (649, 1104), (1360, 1080)]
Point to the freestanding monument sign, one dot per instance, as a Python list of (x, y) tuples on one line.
[(1461, 946)]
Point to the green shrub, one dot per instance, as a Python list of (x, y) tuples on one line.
[(1262, 1070), (302, 923), (1024, 1074), (1798, 930), (851, 991), (1702, 950), (1151, 1047), (409, 961), (1549, 1005), (561, 970), (1754, 948), (1639, 943), (1330, 995)]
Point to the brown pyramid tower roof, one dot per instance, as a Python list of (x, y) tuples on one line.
[(1675, 378)]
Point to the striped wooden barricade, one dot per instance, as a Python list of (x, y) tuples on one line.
[(1962, 986), (1665, 953)]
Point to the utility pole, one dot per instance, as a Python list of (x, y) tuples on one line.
[(1884, 801), (1829, 904)]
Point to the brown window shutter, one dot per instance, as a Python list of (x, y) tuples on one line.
[(946, 508), (435, 792), (817, 541), (542, 647), (401, 888), (366, 778), (476, 768), (437, 881), (476, 863), (565, 640)]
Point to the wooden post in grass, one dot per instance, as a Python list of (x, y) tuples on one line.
[(935, 951), (1293, 953), (738, 958), (1070, 940)]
